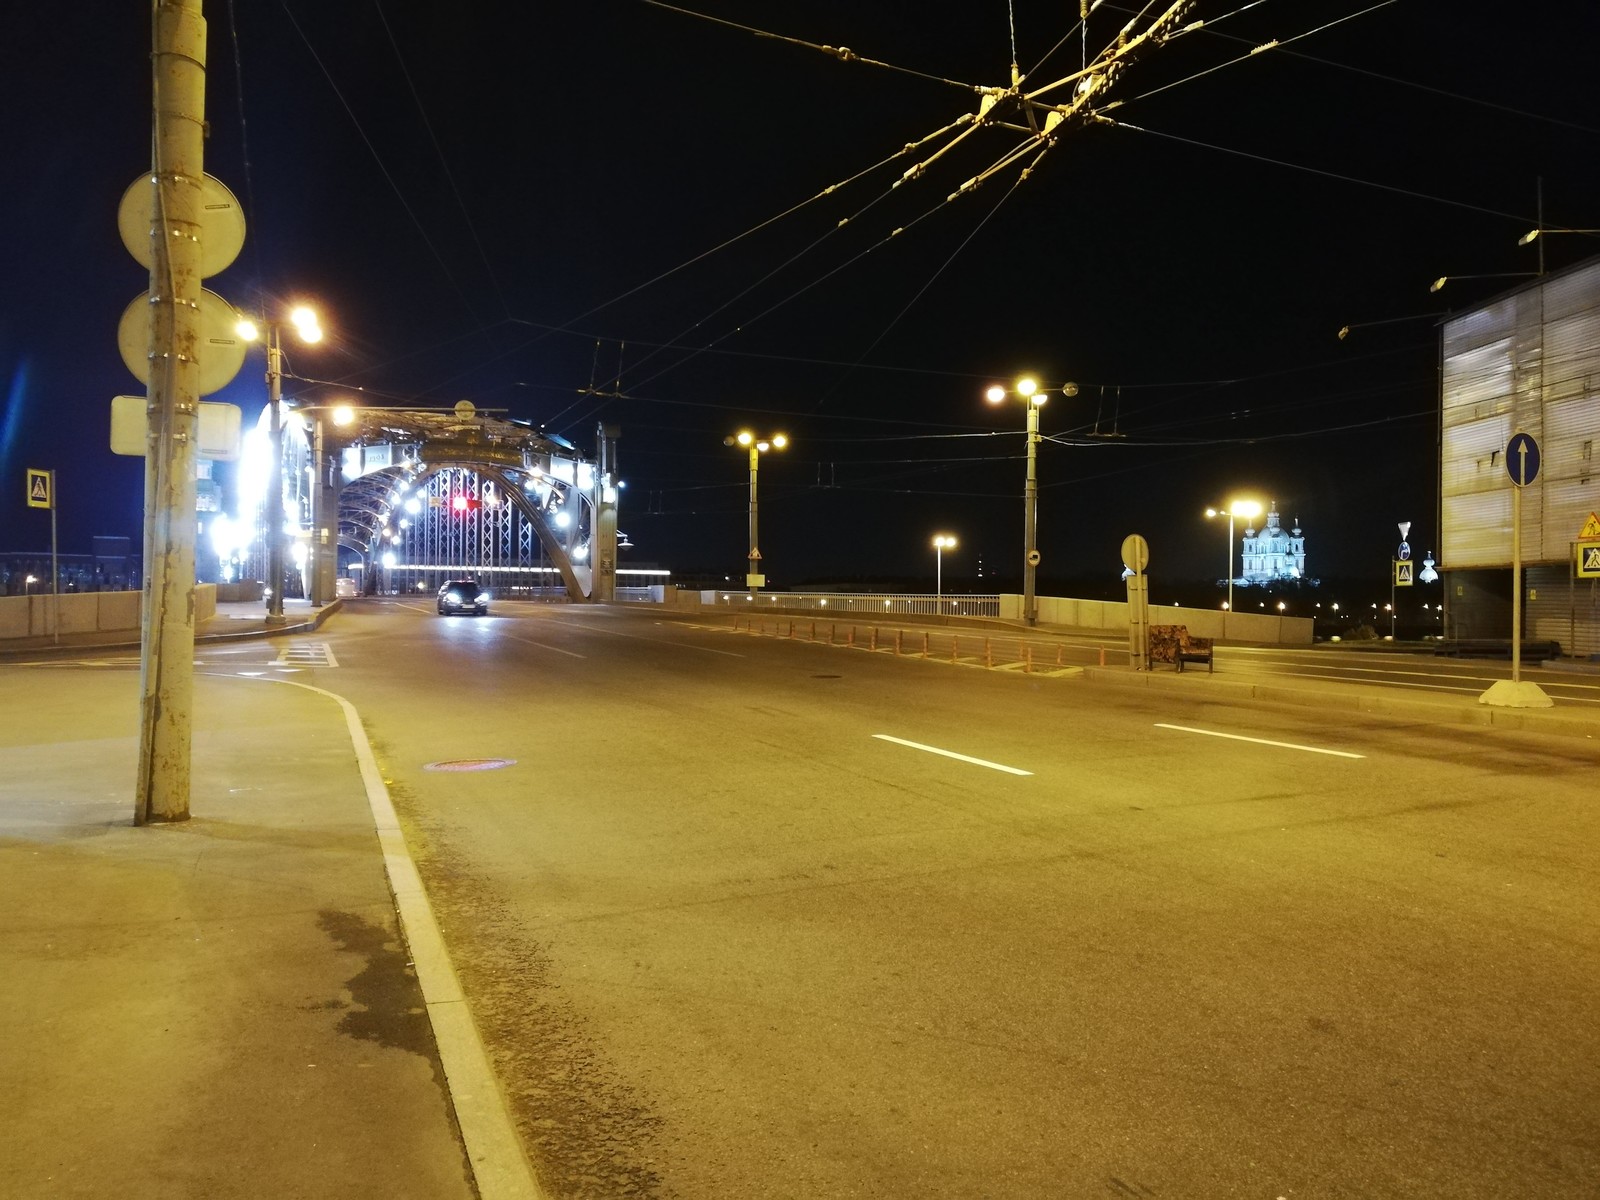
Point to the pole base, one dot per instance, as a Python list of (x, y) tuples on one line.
[(276, 619), (1503, 693)]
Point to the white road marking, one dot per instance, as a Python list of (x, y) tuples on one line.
[(545, 646), (499, 1166), (1239, 737), (314, 654), (977, 762)]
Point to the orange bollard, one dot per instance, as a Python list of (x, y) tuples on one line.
[(955, 642), (873, 639), (1027, 660), (1102, 656), (897, 643), (988, 654), (851, 640), (924, 645)]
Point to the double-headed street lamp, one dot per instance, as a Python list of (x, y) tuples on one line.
[(941, 543), (1249, 510), (757, 447), (1027, 390), (305, 324)]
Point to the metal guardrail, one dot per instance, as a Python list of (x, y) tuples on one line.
[(1023, 652), (876, 603)]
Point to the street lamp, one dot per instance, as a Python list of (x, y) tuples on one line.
[(1027, 390), (1439, 283), (757, 447), (305, 324), (941, 543), (1249, 510)]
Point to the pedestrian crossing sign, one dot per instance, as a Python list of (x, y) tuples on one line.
[(1589, 560), (40, 493), (1402, 572), (1591, 529)]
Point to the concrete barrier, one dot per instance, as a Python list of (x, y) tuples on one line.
[(87, 612), (120, 610)]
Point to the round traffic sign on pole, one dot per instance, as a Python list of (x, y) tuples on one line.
[(1135, 553), (221, 223), (221, 349), (1522, 459)]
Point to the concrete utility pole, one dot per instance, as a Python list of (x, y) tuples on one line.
[(166, 673), (604, 556), (274, 513)]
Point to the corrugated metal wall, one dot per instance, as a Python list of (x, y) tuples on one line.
[(1529, 362)]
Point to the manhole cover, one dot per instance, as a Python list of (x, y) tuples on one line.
[(470, 764)]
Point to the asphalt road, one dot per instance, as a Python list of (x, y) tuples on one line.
[(747, 917)]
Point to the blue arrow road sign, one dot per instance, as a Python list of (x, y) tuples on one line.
[(1522, 459)]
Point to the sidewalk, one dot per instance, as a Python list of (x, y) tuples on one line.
[(222, 1007)]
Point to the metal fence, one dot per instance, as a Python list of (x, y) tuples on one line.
[(876, 603)]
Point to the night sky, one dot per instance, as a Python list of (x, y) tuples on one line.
[(614, 211)]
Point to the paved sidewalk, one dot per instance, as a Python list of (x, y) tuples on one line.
[(216, 1008)]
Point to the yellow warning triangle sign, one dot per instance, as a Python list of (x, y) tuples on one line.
[(1591, 529)]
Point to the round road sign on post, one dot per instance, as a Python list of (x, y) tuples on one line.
[(221, 223), (1033, 558), (1135, 553), (1522, 459), (221, 349)]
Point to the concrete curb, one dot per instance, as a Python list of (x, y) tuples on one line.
[(499, 1163), (1343, 698)]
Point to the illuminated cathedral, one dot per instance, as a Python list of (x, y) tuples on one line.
[(1271, 555)]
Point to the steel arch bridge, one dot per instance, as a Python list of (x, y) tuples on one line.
[(410, 497)]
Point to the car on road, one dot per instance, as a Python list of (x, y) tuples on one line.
[(345, 588), (463, 596)]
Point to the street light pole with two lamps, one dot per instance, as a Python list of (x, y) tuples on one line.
[(304, 321), (754, 578), (1249, 510), (1027, 390)]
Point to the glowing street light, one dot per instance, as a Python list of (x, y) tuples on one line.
[(1439, 283), (1027, 390), (757, 447), (309, 331), (941, 543), (1249, 510)]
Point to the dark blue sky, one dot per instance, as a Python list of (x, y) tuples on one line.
[(480, 199)]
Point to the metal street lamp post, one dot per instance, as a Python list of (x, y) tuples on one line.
[(1248, 509), (941, 543), (305, 323), (1027, 390), (754, 578)]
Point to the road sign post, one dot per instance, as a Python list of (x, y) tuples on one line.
[(42, 494), (1522, 464), (1135, 558)]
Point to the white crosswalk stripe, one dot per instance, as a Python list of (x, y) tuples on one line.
[(306, 654)]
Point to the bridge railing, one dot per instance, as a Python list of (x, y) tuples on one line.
[(877, 603)]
